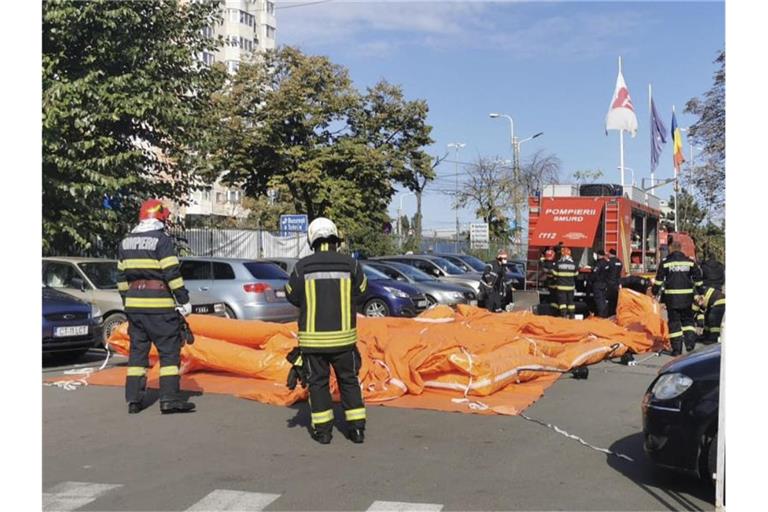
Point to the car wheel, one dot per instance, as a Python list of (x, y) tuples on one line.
[(111, 323), (376, 308), (431, 301), (228, 313)]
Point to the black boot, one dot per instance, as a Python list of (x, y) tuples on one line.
[(134, 408), (174, 406), (357, 435), (322, 436), (677, 348)]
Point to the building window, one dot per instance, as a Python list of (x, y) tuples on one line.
[(270, 32), (219, 197), (233, 196), (208, 59), (270, 7), (233, 15), (208, 32), (232, 66)]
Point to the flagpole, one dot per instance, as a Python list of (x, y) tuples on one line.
[(650, 95), (675, 171), (621, 146)]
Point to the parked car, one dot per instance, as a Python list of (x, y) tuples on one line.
[(387, 297), (95, 280), (438, 267), (286, 264), (70, 326), (465, 262), (435, 291), (680, 413), (249, 289), (516, 274)]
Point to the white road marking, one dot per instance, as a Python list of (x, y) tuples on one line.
[(403, 506), (73, 495), (222, 499)]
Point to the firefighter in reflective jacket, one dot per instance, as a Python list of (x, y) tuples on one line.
[(712, 306), (326, 287), (564, 273), (678, 277), (150, 283)]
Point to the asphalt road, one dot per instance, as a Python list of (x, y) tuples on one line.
[(236, 454)]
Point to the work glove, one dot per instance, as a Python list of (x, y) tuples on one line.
[(184, 309), (298, 373), (187, 337)]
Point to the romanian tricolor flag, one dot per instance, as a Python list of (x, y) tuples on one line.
[(677, 144)]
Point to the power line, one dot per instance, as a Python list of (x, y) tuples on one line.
[(291, 6)]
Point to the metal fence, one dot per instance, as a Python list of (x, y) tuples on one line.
[(437, 245), (240, 243)]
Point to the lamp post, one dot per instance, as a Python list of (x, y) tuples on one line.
[(400, 219), (515, 168), (456, 146)]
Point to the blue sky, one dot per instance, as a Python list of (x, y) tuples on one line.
[(550, 65)]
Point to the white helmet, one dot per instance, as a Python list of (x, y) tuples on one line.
[(321, 228)]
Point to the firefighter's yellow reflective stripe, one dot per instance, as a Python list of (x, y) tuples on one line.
[(166, 371), (175, 284), (720, 302), (324, 247), (122, 286), (288, 288), (327, 343), (564, 274), (355, 414), (675, 334), (678, 264), (322, 417), (571, 306), (679, 292), (136, 302), (327, 339), (708, 295), (562, 306), (657, 282), (689, 328), (299, 361), (695, 307), (699, 317), (327, 334), (364, 284), (120, 265), (141, 263), (345, 293), (169, 262), (565, 288), (309, 292), (136, 371), (712, 329), (698, 283)]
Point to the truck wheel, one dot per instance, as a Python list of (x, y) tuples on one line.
[(376, 308), (111, 323)]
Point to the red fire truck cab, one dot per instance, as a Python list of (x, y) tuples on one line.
[(589, 217)]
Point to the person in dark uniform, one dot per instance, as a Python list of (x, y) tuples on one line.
[(678, 278), (565, 274), (599, 278), (326, 287), (712, 306), (639, 284), (495, 280), (150, 283), (713, 273), (614, 280), (546, 279)]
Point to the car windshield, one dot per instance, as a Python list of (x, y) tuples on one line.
[(473, 262), (447, 266), (265, 270), (103, 274), (374, 275), (412, 272)]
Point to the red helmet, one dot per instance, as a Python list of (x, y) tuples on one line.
[(549, 254), (154, 209)]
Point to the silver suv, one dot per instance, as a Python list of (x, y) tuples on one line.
[(249, 289)]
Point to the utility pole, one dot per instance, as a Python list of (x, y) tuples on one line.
[(456, 146)]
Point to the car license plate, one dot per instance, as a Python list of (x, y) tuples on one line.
[(74, 330), (473, 303), (201, 309), (280, 294)]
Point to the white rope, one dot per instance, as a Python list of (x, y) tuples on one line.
[(74, 384), (577, 438)]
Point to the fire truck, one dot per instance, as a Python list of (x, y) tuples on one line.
[(589, 217)]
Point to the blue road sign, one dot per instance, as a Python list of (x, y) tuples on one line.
[(292, 224)]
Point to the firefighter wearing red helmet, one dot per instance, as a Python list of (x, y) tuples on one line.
[(150, 283), (565, 273)]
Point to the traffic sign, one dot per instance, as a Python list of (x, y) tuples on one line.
[(290, 224), (478, 235)]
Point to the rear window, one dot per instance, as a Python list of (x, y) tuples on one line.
[(265, 270), (222, 270), (195, 270)]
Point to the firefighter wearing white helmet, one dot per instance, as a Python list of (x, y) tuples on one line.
[(326, 287)]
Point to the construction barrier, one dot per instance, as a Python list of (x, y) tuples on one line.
[(466, 360)]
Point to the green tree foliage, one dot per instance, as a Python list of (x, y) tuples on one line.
[(489, 188), (695, 220), (296, 121), (124, 102), (708, 175)]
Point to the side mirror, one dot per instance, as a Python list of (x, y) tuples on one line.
[(78, 283)]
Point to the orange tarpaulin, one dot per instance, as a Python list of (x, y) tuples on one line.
[(466, 360)]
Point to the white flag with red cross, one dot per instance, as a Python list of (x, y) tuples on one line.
[(621, 115)]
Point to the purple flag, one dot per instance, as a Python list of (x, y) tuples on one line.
[(658, 136)]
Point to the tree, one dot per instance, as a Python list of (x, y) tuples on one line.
[(709, 132), (490, 189), (588, 175), (296, 121), (124, 109)]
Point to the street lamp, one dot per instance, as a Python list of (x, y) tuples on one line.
[(400, 217), (456, 146), (515, 167)]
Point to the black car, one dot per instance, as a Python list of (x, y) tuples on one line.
[(680, 413), (70, 326)]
